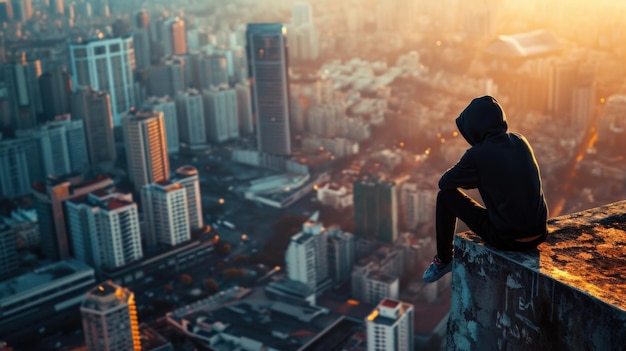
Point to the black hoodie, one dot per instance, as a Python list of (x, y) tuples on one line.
[(503, 168)]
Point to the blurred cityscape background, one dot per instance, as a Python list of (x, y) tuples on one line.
[(262, 174)]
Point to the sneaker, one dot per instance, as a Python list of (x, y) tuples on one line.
[(436, 270)]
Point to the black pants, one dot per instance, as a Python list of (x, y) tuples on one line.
[(453, 204)]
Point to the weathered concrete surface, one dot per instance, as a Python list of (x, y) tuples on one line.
[(569, 294)]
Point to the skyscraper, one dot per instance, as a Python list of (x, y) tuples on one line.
[(104, 229), (390, 326), (303, 38), (220, 108), (268, 69), (56, 88), (167, 105), (56, 7), (62, 146), (146, 147), (106, 65), (94, 109), (49, 203), (110, 319), (190, 112), (376, 210), (6, 10), (187, 177), (165, 212), (24, 94), (141, 42)]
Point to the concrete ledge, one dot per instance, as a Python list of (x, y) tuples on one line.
[(569, 294)]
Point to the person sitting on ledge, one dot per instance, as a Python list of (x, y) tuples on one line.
[(504, 169)]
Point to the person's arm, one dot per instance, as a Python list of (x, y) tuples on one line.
[(462, 175)]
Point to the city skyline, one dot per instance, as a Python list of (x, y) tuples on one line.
[(263, 173)]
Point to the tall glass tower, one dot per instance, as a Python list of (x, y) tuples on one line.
[(268, 70)]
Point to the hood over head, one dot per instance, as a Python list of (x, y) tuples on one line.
[(481, 119)]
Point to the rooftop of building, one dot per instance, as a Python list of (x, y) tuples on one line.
[(41, 277), (275, 325), (105, 296), (151, 339), (524, 45), (187, 171)]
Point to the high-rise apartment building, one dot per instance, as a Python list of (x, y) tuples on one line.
[(167, 78), (9, 261), (49, 203), (94, 109), (62, 146), (390, 326), (174, 37), (213, 71), (146, 147), (141, 41), (220, 110), (187, 177), (191, 123), (341, 253), (303, 38), (376, 209), (106, 65), (14, 175), (22, 79), (167, 105), (307, 255), (165, 213), (56, 88), (6, 10), (110, 319), (268, 69), (104, 229)]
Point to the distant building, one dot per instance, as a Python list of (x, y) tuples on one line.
[(106, 65), (40, 294), (417, 202), (56, 7), (146, 147), (390, 326), (63, 146), (14, 175), (22, 79), (25, 227), (376, 209), (110, 319), (378, 276), (174, 37), (56, 89), (221, 114), (94, 109), (213, 71), (244, 109), (187, 177), (49, 203), (612, 124), (151, 340), (141, 41), (104, 229), (22, 10), (268, 67), (166, 213), (9, 261), (335, 196), (167, 78), (167, 105), (190, 109), (341, 253), (307, 255)]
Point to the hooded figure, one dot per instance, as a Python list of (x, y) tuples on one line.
[(502, 166)]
